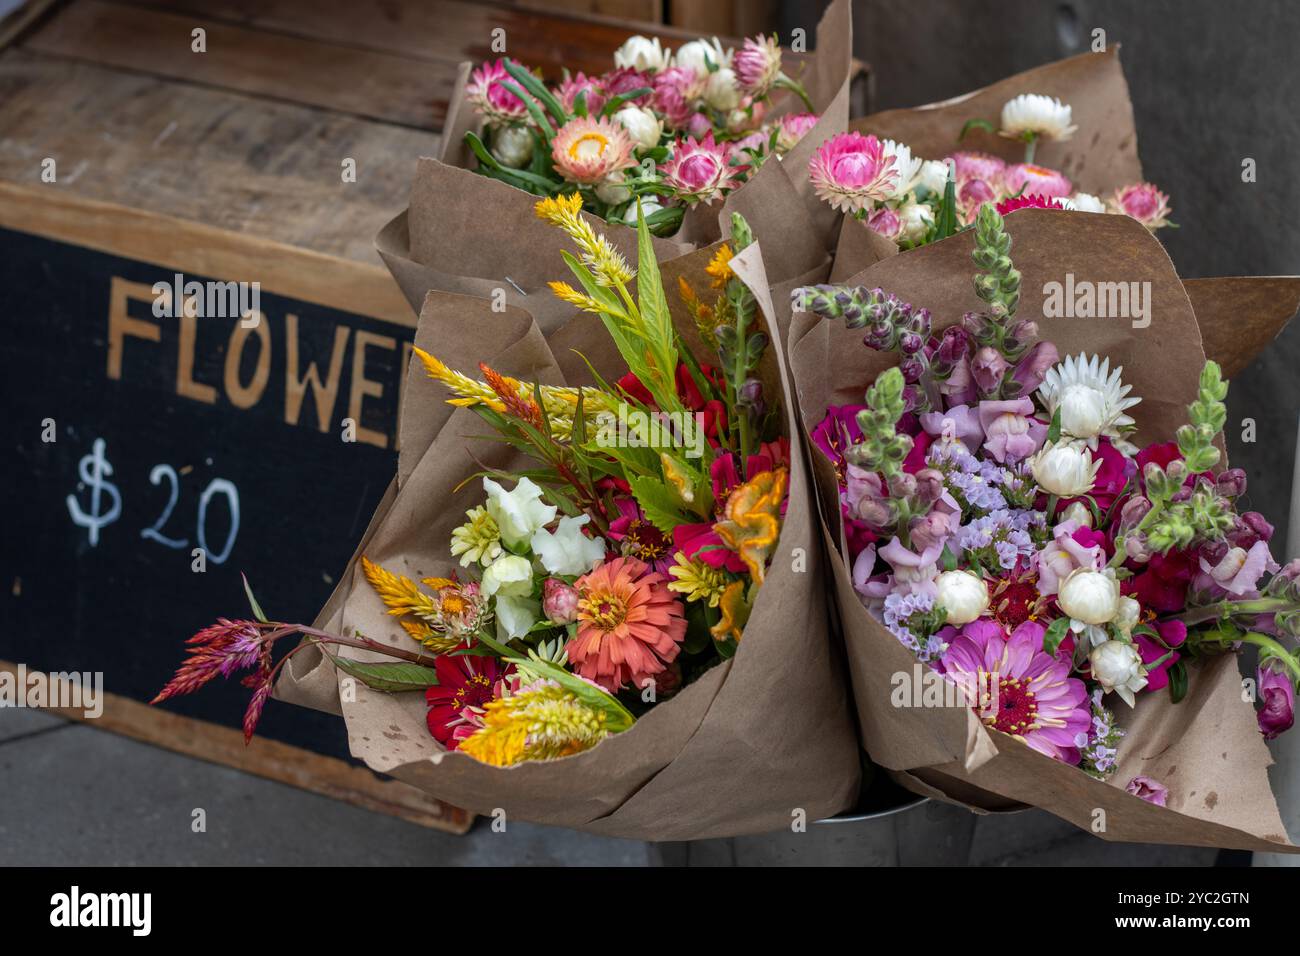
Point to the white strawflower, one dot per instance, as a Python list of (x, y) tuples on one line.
[(1089, 597), (518, 513), (641, 124), (1034, 113), (908, 166), (1093, 400), (916, 218), (1085, 202), (567, 550), (509, 575), (645, 54), (721, 92), (512, 146), (963, 595), (1065, 469), (933, 176), (1117, 667), (703, 56)]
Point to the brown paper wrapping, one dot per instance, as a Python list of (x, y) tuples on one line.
[(1100, 157), (741, 750), (1207, 749), (469, 234)]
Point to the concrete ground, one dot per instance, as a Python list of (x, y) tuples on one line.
[(74, 796)]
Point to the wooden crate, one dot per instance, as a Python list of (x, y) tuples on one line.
[(225, 165)]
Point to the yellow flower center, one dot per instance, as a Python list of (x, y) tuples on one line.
[(454, 604), (588, 146), (605, 611)]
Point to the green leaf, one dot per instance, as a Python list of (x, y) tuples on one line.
[(252, 601), (1054, 430), (971, 124), (616, 103), (1054, 634), (535, 111), (1178, 681), (659, 506), (656, 320), (539, 90), (948, 560), (391, 677)]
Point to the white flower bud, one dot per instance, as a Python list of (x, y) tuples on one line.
[(512, 146), (1083, 411), (641, 124), (702, 56), (1089, 596), (963, 595), (1117, 667), (613, 192), (1078, 512), (1064, 469), (645, 54), (722, 93), (933, 175)]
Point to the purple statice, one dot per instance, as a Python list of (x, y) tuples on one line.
[(1099, 745), (972, 481), (1002, 537), (911, 619)]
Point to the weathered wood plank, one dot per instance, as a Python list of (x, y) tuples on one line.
[(266, 169), (271, 759), (346, 79)]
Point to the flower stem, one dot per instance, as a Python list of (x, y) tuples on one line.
[(1223, 610), (1031, 142), (784, 82)]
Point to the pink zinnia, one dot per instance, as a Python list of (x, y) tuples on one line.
[(1030, 180), (588, 150), (497, 104), (1019, 689), (757, 65), (850, 171), (630, 626), (700, 170), (1144, 202)]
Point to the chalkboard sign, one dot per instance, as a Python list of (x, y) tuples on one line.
[(155, 456)]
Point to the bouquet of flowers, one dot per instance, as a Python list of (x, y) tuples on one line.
[(683, 135), (594, 567), (1078, 578), (876, 173)]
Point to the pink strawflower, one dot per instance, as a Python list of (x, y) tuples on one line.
[(630, 626), (1030, 180), (972, 164), (793, 127), (886, 222), (971, 195), (677, 90), (578, 83), (1145, 788), (1017, 688), (700, 170), (850, 171), (1144, 202), (588, 150), (497, 104), (625, 80), (757, 64)]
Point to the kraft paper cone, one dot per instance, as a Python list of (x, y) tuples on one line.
[(468, 234), (1206, 749), (1240, 315), (743, 749), (1100, 157)]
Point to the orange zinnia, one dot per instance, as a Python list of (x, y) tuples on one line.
[(630, 626)]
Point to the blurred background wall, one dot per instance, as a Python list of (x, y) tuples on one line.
[(1212, 83)]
